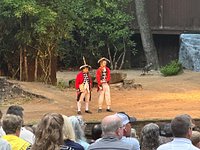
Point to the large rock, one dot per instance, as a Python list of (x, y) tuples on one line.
[(117, 77), (189, 54)]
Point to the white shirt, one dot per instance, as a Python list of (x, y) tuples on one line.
[(131, 141), (178, 144), (4, 145), (27, 135)]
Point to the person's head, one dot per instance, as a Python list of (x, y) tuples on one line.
[(103, 61), (165, 130), (112, 125), (49, 132), (16, 110), (133, 133), (81, 122), (150, 137), (126, 121), (12, 124), (196, 138), (79, 133), (96, 131), (68, 131), (181, 126)]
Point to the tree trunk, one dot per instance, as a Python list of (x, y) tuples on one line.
[(21, 64), (25, 64), (36, 67), (146, 36), (110, 57)]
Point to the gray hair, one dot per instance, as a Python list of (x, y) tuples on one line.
[(110, 124), (79, 133), (150, 137), (180, 125), (11, 123)]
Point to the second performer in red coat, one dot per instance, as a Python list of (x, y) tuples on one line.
[(103, 79)]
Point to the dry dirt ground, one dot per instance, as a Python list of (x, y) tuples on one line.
[(160, 98)]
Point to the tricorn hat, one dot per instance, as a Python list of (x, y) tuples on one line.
[(103, 58), (85, 65)]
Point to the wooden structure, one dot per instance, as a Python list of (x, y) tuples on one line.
[(168, 19)]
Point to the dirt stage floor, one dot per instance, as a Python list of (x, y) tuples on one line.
[(160, 98)]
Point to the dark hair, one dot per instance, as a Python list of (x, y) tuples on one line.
[(96, 131), (1, 114), (49, 134), (15, 110), (180, 125), (11, 123), (165, 130)]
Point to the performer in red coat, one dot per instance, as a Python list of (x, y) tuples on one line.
[(83, 86), (103, 79)]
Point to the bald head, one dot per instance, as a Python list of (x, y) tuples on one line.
[(110, 124)]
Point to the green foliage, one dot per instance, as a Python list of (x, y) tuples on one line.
[(100, 25), (173, 68)]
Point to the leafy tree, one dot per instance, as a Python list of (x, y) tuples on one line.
[(37, 28), (103, 28)]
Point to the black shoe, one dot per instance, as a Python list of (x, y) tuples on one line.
[(79, 112), (99, 110), (89, 112), (109, 110)]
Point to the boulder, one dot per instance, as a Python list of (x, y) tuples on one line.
[(189, 53), (117, 77)]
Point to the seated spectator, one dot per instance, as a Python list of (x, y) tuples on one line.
[(112, 132), (134, 133), (12, 125), (81, 122), (49, 133), (1, 129), (4, 145), (79, 133), (69, 136), (126, 121), (24, 133), (96, 132), (181, 127), (196, 138), (165, 133), (149, 138)]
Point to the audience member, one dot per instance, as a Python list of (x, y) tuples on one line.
[(96, 132), (149, 138), (81, 122), (181, 127), (24, 133), (1, 129), (79, 133), (69, 135), (12, 125), (49, 133), (134, 133), (112, 132), (4, 145), (126, 121), (196, 138), (165, 133)]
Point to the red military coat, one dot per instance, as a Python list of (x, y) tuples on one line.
[(80, 79), (99, 74)]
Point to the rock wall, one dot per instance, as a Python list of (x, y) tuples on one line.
[(189, 54)]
